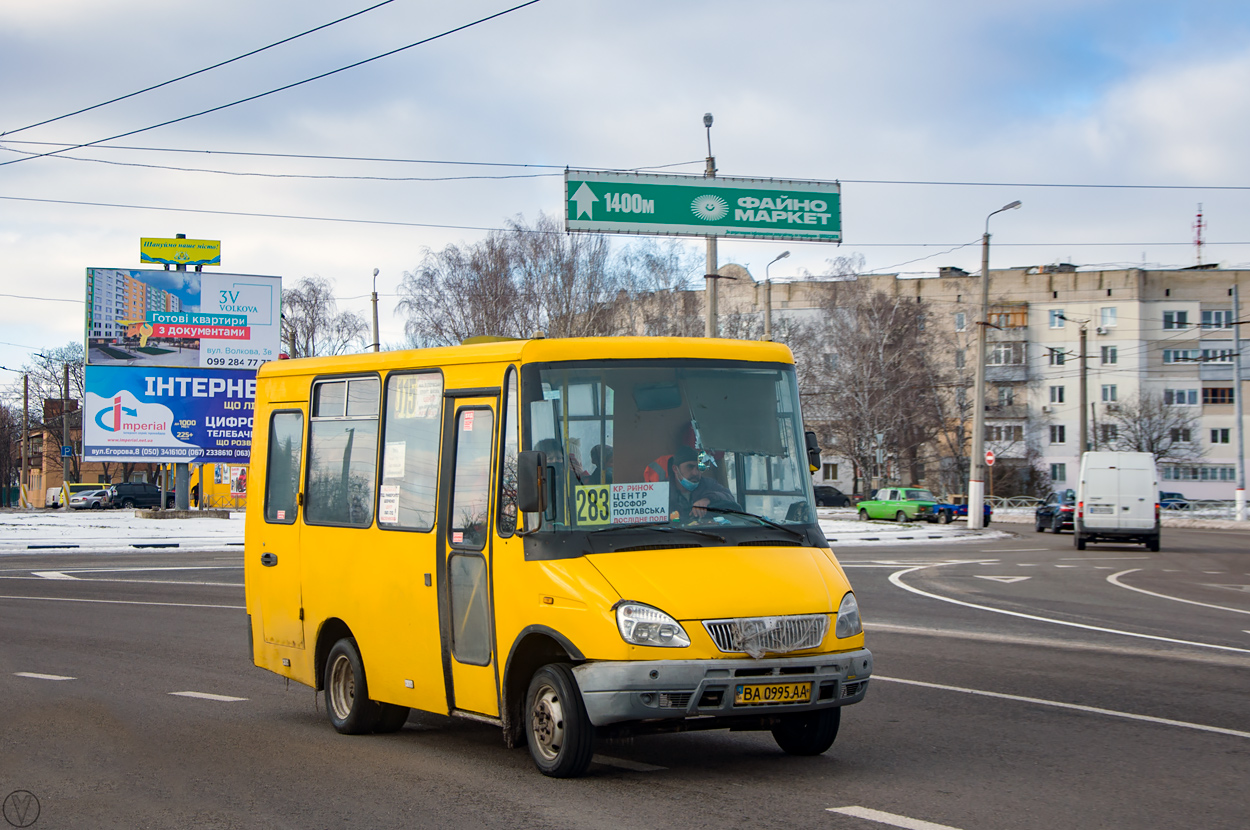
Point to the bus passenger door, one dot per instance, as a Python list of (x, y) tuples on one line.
[(282, 612), (466, 613)]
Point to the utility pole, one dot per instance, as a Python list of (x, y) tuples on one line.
[(976, 478), (65, 439), (711, 276), (1083, 397), (377, 344), (21, 488), (1240, 424)]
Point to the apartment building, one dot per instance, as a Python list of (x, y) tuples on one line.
[(117, 302), (1156, 335)]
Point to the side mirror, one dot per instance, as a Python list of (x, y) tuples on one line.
[(531, 482), (813, 451)]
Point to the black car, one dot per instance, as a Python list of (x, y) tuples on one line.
[(827, 496), (135, 494), (1056, 512)]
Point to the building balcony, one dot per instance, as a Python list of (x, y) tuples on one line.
[(1012, 412), (1009, 373)]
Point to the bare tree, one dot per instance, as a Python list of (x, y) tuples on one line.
[(313, 325), (1145, 423), (53, 407), (870, 381)]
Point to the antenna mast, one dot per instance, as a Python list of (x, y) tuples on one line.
[(1198, 226)]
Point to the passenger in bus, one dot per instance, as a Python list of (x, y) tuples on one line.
[(601, 457), (690, 490)]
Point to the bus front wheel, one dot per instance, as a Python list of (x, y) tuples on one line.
[(347, 694), (808, 733), (560, 736)]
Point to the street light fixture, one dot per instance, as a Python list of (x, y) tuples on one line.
[(768, 296), (977, 468), (376, 341)]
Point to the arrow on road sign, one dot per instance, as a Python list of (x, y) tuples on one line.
[(1005, 579), (585, 201)]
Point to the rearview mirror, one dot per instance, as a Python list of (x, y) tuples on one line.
[(531, 482), (813, 451)]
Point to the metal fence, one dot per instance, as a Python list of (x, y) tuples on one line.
[(1190, 508)]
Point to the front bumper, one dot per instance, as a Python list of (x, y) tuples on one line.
[(615, 692)]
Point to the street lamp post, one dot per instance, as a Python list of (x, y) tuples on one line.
[(710, 276), (377, 343), (977, 467), (768, 296)]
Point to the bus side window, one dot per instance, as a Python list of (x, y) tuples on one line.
[(507, 462), (286, 444), (408, 489), (343, 452)]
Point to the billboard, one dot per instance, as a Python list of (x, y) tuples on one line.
[(163, 415), (180, 251), (183, 319), (674, 205)]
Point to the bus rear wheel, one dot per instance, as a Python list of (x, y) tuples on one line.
[(808, 733), (347, 694), (561, 737)]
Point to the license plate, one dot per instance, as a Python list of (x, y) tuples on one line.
[(767, 694), (1101, 508)]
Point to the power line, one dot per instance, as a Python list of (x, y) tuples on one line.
[(341, 178), (286, 86), (196, 72)]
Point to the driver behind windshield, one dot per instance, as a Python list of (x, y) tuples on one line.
[(690, 490)]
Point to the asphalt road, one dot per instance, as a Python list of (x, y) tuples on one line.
[(1019, 684)]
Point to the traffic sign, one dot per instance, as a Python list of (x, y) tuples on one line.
[(67, 451), (697, 206), (989, 458)]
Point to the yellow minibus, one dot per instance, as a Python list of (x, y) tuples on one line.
[(566, 538)]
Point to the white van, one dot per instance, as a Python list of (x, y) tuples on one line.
[(1117, 499)]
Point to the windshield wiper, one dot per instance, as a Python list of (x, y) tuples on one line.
[(667, 528), (796, 534)]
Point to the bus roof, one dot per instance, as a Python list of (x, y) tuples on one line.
[(543, 350)]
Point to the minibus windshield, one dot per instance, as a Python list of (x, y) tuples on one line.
[(701, 444)]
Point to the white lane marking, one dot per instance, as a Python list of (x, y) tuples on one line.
[(208, 696), (1219, 730), (51, 575), (633, 766), (1243, 588), (138, 581), (1004, 579), (889, 818), (1089, 558), (130, 602), (154, 568), (38, 676), (1114, 579), (1067, 566), (1017, 550), (896, 579)]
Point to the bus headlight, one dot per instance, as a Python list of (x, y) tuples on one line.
[(642, 625), (848, 618)]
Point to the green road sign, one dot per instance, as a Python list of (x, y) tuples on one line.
[(698, 206)]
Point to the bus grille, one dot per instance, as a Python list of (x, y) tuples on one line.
[(758, 636)]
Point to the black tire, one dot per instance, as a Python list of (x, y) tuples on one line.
[(348, 705), (900, 517), (987, 521), (1152, 545), (863, 515), (560, 736), (1037, 522), (1057, 524), (808, 733), (97, 506), (128, 504), (391, 718), (948, 516), (1080, 541)]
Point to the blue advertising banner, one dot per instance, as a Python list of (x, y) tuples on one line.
[(164, 414)]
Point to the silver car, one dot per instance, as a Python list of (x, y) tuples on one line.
[(84, 499)]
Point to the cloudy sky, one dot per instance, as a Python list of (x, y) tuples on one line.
[(930, 114)]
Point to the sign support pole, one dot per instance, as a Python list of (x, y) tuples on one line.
[(1240, 493), (182, 470), (713, 288)]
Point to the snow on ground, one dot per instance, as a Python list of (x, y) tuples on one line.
[(108, 531), (842, 528)]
